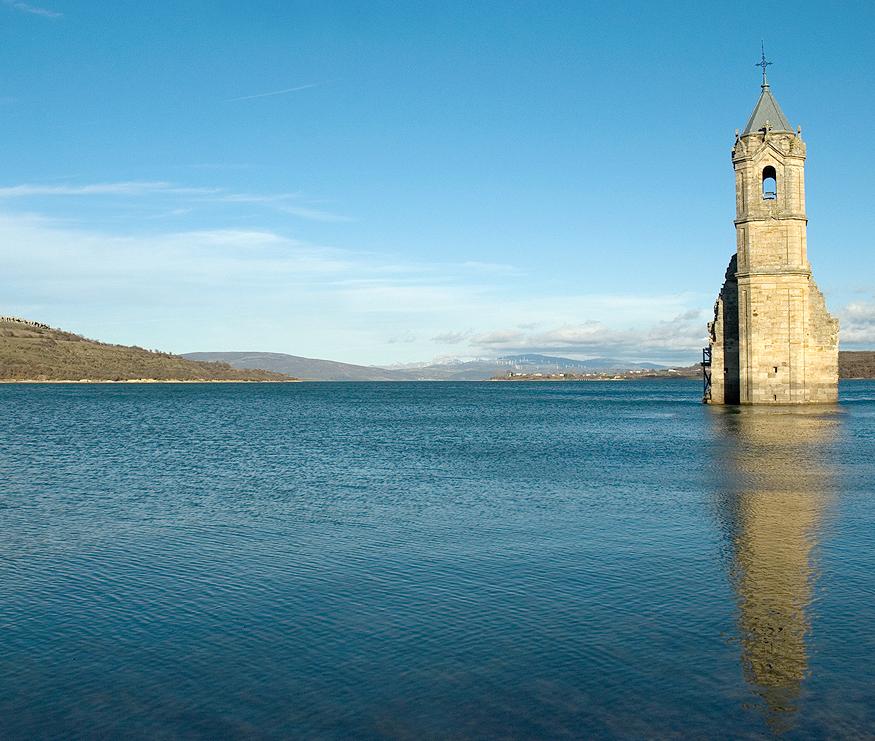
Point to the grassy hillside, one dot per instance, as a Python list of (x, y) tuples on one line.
[(857, 364), (30, 351)]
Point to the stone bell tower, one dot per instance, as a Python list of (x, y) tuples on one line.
[(772, 340)]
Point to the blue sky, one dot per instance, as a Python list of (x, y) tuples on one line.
[(384, 182)]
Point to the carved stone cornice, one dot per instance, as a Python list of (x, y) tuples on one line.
[(772, 272), (772, 217)]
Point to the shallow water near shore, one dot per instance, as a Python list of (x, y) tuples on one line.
[(408, 560)]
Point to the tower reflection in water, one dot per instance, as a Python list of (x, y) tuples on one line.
[(775, 486)]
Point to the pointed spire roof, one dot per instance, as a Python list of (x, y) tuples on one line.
[(767, 110)]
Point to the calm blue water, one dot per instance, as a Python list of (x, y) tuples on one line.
[(433, 560)]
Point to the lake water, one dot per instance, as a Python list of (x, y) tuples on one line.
[(433, 560)]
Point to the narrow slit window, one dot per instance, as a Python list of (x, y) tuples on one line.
[(770, 184)]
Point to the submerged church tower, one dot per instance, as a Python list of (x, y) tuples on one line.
[(772, 340)]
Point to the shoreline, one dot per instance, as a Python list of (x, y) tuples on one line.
[(88, 381), (565, 379)]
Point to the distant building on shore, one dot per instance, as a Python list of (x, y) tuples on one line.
[(772, 340)]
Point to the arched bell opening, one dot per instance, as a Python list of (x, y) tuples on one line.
[(770, 184)]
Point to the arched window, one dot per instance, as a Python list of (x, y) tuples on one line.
[(770, 184)]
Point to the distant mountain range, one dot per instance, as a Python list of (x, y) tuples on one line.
[(551, 362), (449, 370), (311, 369)]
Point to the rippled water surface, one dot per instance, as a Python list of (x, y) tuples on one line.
[(433, 560)]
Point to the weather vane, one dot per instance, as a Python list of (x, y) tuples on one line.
[(763, 63)]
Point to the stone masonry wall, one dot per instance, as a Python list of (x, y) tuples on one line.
[(787, 341)]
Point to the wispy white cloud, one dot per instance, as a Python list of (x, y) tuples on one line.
[(499, 338), (220, 166), (313, 214), (284, 91), (126, 188), (490, 268), (451, 338), (32, 9), (270, 198), (405, 338), (172, 213), (290, 203)]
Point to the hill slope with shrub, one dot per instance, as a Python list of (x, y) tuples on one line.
[(30, 351)]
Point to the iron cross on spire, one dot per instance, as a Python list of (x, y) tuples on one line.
[(763, 63)]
